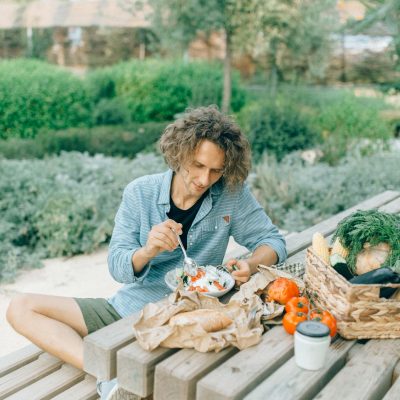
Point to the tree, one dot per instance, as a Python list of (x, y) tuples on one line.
[(292, 35), (273, 30), (179, 21), (386, 12)]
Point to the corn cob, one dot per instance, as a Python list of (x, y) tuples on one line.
[(338, 249), (321, 247)]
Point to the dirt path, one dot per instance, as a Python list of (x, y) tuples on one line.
[(80, 276)]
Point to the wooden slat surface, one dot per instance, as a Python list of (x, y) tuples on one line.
[(394, 392), (135, 367), (299, 256), (51, 385), (185, 388), (391, 207), (327, 226), (177, 376), (367, 375), (100, 347), (28, 374), (246, 369), (84, 390), (293, 383), (18, 358)]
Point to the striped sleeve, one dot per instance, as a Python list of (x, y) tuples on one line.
[(251, 227), (125, 238)]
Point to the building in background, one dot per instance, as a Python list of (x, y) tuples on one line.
[(82, 34)]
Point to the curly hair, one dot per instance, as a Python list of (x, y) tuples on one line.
[(180, 139)]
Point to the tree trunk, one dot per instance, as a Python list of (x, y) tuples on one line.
[(227, 89), (343, 76), (273, 76)]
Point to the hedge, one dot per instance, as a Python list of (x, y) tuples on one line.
[(35, 95)]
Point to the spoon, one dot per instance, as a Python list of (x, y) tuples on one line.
[(189, 265)]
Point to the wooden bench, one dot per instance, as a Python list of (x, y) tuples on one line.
[(30, 373), (353, 370), (188, 374)]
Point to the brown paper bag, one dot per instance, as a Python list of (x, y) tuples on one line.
[(152, 329), (272, 311)]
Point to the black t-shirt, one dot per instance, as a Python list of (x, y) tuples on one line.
[(185, 217)]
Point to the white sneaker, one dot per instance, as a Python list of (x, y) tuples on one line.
[(118, 393), (105, 387)]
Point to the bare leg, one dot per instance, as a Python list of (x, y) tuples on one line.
[(53, 323)]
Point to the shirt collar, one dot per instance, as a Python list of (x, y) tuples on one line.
[(163, 197)]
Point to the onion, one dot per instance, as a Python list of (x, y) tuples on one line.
[(371, 257)]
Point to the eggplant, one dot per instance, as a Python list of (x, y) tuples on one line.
[(343, 269), (378, 276)]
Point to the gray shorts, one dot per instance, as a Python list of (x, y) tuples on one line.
[(97, 313)]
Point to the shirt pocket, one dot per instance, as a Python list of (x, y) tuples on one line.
[(217, 226)]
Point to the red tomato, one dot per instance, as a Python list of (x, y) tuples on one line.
[(200, 274), (218, 285), (282, 290), (201, 289), (298, 304), (326, 318), (291, 319)]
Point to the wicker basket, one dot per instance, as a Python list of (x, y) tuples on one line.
[(360, 312)]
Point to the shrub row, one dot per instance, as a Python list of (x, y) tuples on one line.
[(61, 205), (35, 95), (297, 196), (156, 90), (124, 141), (66, 205), (301, 117)]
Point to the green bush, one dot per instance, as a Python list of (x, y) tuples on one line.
[(276, 129), (337, 116), (125, 141), (61, 205), (156, 90), (351, 117), (297, 196), (36, 95), (111, 112)]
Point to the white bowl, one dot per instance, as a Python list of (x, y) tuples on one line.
[(172, 283)]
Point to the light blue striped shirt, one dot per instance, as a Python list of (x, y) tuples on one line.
[(223, 213)]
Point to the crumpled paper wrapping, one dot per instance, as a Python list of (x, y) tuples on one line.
[(272, 311), (152, 329), (245, 308)]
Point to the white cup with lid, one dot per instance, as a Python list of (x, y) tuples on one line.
[(311, 344)]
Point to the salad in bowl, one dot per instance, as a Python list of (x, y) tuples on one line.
[(209, 280)]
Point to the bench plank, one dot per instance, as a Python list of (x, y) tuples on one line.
[(50, 385), (246, 369), (84, 390), (293, 383), (135, 367), (392, 207), (299, 256), (18, 358), (367, 375), (100, 348), (394, 391), (327, 226), (28, 374), (177, 376)]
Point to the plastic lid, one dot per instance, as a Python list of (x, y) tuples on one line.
[(313, 329)]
